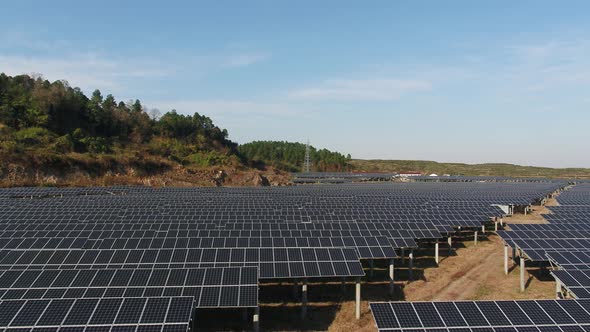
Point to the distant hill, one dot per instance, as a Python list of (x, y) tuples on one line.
[(429, 167)]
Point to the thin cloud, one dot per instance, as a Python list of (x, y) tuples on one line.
[(362, 89), (247, 59), (87, 71)]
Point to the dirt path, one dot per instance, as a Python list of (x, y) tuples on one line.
[(474, 273)]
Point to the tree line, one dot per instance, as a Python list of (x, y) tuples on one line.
[(291, 156)]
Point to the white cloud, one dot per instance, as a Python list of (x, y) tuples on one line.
[(550, 66), (87, 71), (362, 89)]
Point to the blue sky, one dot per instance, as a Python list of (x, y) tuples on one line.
[(461, 81)]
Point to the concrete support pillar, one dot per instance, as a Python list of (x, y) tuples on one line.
[(371, 268), (411, 266), (450, 242), (522, 273), (357, 307), (304, 299), (525, 210), (496, 226), (391, 278), (475, 238), (256, 319), (483, 229), (506, 260), (436, 259), (502, 222), (558, 290)]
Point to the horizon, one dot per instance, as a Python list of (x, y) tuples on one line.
[(456, 82)]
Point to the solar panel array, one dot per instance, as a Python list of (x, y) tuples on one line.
[(91, 248), (340, 177), (527, 315), (568, 229), (564, 242)]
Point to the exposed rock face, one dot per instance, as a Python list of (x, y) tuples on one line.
[(219, 178), (261, 181), (21, 173)]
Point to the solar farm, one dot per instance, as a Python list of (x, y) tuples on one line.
[(189, 259)]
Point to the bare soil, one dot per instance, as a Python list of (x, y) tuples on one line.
[(471, 273)]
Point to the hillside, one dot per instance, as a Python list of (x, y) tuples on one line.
[(429, 167), (53, 134)]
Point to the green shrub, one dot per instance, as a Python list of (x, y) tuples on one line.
[(64, 144), (96, 144), (9, 147), (204, 159), (34, 136)]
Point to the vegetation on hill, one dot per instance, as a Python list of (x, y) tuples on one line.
[(429, 167), (290, 156), (52, 129)]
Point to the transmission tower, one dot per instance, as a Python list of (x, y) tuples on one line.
[(307, 162)]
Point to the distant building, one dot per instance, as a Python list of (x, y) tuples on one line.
[(433, 174), (409, 174)]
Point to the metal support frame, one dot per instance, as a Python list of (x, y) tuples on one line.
[(371, 268)]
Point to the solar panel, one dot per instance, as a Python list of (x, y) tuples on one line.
[(273, 262), (109, 313), (570, 260), (524, 315), (230, 283)]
